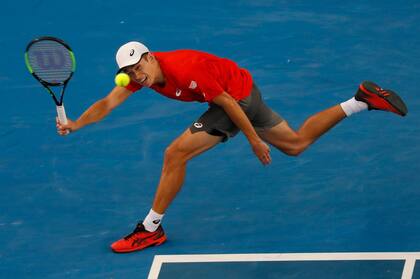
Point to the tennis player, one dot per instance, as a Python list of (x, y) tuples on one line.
[(235, 104)]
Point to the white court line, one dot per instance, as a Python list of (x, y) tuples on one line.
[(410, 259), (409, 267)]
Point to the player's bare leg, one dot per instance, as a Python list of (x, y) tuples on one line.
[(369, 96), (150, 232), (177, 155), (295, 142)]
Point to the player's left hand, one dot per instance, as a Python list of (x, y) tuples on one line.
[(262, 151)]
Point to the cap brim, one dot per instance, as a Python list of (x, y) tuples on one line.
[(123, 69), (127, 66)]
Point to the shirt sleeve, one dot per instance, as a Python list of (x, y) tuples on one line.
[(133, 86), (207, 82)]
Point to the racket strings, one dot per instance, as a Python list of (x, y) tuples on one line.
[(50, 61)]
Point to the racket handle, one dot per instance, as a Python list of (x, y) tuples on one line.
[(61, 112)]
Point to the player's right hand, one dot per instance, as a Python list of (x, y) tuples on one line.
[(65, 129), (262, 151)]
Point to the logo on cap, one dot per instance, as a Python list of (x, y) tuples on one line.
[(132, 52)]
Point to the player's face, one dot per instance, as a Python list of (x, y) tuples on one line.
[(146, 71)]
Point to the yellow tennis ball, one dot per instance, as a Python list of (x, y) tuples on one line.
[(122, 79)]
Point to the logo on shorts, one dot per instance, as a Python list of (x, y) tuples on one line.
[(198, 125), (178, 92), (193, 85)]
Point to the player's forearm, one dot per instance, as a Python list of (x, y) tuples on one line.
[(238, 116), (94, 113)]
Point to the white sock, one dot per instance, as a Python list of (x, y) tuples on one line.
[(152, 221), (353, 106)]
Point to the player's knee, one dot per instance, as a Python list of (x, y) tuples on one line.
[(175, 155), (171, 154), (294, 149), (294, 152)]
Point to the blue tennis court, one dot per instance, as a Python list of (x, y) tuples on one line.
[(64, 200)]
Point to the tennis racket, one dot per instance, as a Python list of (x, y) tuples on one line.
[(51, 61)]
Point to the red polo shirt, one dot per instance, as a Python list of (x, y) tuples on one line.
[(198, 76)]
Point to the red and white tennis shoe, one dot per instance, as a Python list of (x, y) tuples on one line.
[(380, 99)]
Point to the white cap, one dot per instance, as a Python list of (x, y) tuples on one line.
[(130, 53)]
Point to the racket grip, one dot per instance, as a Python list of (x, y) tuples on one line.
[(61, 112)]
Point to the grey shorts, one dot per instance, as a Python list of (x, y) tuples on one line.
[(216, 122)]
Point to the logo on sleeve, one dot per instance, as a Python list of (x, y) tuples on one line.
[(178, 92), (198, 125), (193, 85)]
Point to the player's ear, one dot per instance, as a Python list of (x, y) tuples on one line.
[(145, 57), (150, 57)]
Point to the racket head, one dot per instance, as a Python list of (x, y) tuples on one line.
[(50, 60)]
